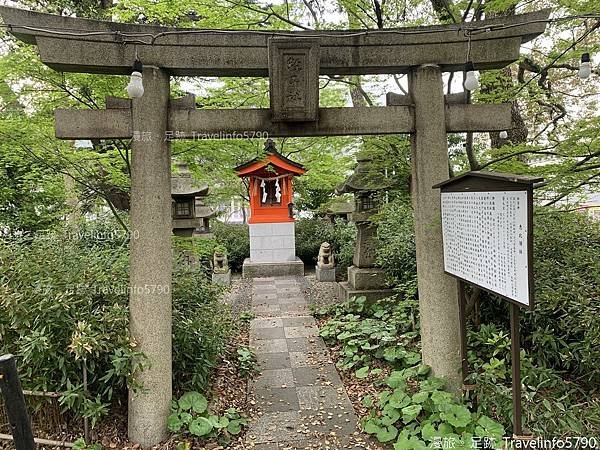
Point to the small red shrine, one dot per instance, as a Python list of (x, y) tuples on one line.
[(271, 223), (270, 190)]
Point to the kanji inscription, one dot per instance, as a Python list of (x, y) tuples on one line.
[(294, 79)]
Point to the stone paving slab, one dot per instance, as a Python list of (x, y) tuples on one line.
[(299, 394)]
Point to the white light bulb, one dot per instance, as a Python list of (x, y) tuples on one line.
[(503, 134), (471, 83), (135, 88), (585, 70)]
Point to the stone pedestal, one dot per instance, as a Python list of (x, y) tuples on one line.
[(364, 282), (325, 274), (272, 242), (272, 251), (222, 278)]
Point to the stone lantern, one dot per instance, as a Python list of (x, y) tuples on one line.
[(364, 279), (190, 217)]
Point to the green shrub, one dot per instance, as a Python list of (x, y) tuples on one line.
[(235, 238), (311, 233), (396, 252), (552, 406), (562, 331), (65, 301)]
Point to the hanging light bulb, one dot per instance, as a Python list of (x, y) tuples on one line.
[(471, 83), (135, 88), (585, 69), (503, 134)]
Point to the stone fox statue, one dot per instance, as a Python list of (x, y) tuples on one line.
[(325, 260), (220, 262)]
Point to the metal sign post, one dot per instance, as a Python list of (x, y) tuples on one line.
[(487, 230)]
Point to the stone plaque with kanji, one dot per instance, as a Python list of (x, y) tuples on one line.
[(294, 79)]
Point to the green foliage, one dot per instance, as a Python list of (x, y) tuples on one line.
[(190, 416), (235, 239), (201, 249), (396, 243), (202, 327), (381, 330), (64, 300), (246, 360), (311, 233), (552, 405), (80, 444), (411, 409)]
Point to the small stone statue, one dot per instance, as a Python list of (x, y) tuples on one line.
[(220, 262), (325, 259)]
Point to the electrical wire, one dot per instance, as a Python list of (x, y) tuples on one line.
[(468, 29)]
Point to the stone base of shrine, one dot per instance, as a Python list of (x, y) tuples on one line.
[(252, 269), (272, 242)]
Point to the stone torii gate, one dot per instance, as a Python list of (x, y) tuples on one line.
[(292, 61)]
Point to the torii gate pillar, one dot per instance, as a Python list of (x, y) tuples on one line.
[(150, 260), (438, 292)]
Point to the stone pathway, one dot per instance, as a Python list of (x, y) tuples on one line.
[(301, 401)]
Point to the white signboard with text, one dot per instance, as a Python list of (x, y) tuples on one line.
[(485, 240)]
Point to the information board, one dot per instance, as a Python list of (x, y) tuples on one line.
[(485, 240)]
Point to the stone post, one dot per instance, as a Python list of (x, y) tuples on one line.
[(438, 293), (150, 260)]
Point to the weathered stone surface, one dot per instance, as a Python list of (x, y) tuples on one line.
[(243, 54), (294, 79), (299, 390), (364, 253), (150, 262), (325, 275), (366, 278), (438, 292), (223, 279), (257, 270), (345, 292)]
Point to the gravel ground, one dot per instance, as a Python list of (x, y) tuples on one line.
[(319, 294), (240, 294)]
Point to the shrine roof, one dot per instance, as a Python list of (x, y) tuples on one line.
[(482, 174), (273, 157)]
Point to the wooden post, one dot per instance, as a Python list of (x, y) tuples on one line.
[(14, 402), (516, 369), (150, 259), (462, 312), (438, 292)]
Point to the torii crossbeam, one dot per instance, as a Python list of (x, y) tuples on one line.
[(292, 61)]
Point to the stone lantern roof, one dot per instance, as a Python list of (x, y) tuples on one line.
[(365, 178), (184, 185)]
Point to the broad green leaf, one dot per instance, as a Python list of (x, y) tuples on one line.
[(487, 427), (234, 427), (390, 415), (174, 423), (193, 401), (386, 434), (200, 426), (410, 413), (420, 397), (361, 373), (457, 416)]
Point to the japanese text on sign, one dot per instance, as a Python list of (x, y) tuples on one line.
[(485, 240)]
